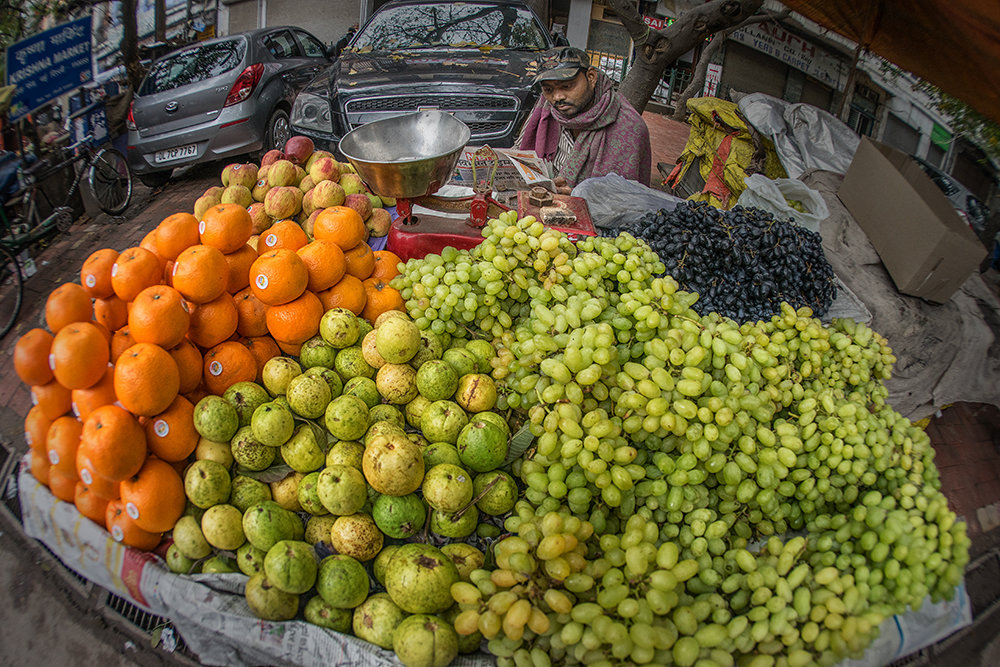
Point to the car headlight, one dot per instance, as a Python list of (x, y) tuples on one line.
[(311, 112)]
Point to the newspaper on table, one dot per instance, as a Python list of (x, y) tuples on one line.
[(211, 614), (515, 170)]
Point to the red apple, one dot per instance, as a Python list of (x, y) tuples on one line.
[(298, 149), (271, 157)]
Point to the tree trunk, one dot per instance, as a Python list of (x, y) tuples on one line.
[(130, 45), (160, 20), (658, 49)]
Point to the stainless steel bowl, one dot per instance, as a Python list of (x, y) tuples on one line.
[(406, 156)]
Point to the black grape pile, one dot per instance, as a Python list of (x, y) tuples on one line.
[(742, 263)]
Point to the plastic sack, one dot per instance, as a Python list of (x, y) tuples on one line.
[(774, 195), (614, 201)]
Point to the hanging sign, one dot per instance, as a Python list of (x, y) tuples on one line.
[(47, 65)]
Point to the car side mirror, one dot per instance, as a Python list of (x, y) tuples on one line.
[(560, 39)]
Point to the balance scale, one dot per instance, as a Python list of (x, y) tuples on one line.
[(411, 157)]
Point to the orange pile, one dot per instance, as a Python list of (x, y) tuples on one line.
[(152, 329)]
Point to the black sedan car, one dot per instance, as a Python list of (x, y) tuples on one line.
[(472, 59), (220, 98)]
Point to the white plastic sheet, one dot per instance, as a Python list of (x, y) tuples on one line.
[(614, 201), (773, 195)]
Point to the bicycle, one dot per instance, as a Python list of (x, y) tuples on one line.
[(109, 180)]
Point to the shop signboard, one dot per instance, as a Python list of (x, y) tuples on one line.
[(794, 51), (47, 65)]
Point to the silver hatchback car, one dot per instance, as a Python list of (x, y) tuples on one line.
[(220, 98)]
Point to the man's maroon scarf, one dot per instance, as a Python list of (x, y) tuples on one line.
[(612, 137)]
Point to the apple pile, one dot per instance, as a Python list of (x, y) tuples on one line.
[(296, 184), (358, 457)]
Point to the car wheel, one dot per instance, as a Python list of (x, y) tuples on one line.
[(279, 131), (155, 179)]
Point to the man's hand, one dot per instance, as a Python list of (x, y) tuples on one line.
[(562, 185)]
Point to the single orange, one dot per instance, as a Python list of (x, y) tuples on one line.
[(123, 529), (31, 357), (325, 263), (239, 268), (112, 446), (282, 234), (66, 304), (380, 298), (154, 497), (148, 242), (95, 274), (159, 316), (360, 261), (79, 355), (213, 322), (62, 484), (226, 364), (90, 504), (289, 349), (200, 273), (62, 441), (226, 227), (100, 485), (133, 271), (171, 435), (251, 312), (386, 265), (146, 379), (40, 465), (53, 399), (121, 340), (112, 312), (349, 293), (36, 428), (187, 356), (85, 401), (175, 233), (278, 276), (342, 225), (296, 321)]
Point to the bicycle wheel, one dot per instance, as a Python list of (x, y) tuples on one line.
[(11, 290), (111, 181)]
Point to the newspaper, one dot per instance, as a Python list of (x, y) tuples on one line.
[(211, 614), (515, 170)]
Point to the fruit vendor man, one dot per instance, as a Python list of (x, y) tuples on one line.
[(582, 125)]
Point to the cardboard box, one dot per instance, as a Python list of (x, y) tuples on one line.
[(927, 248)]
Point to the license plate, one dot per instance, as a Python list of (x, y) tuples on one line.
[(176, 153)]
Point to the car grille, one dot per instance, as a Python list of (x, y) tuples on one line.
[(488, 116)]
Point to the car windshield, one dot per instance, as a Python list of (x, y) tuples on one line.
[(451, 24), (193, 65)]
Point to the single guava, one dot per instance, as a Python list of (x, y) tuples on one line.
[(250, 559), (484, 352), (381, 561), (414, 410), (215, 418), (247, 491), (383, 412), (365, 389), (222, 526), (316, 352), (393, 465), (220, 452), (399, 517), (346, 452), (500, 497), (385, 429), (308, 395), (285, 492), (397, 383), (189, 539), (419, 578), (476, 392), (462, 360), (447, 487), (341, 489), (219, 565), (178, 562), (332, 378), (397, 339), (356, 536), (441, 452), (318, 529), (346, 417), (351, 363), (278, 372), (269, 602), (320, 612), (272, 424), (465, 557), (339, 328), (376, 619), (309, 497), (482, 445), (342, 581), (431, 347), (250, 452), (267, 523), (425, 641), (436, 380), (291, 566), (303, 451), (207, 483), (455, 526), (496, 419), (442, 421)]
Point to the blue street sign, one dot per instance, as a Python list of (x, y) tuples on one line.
[(46, 65)]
